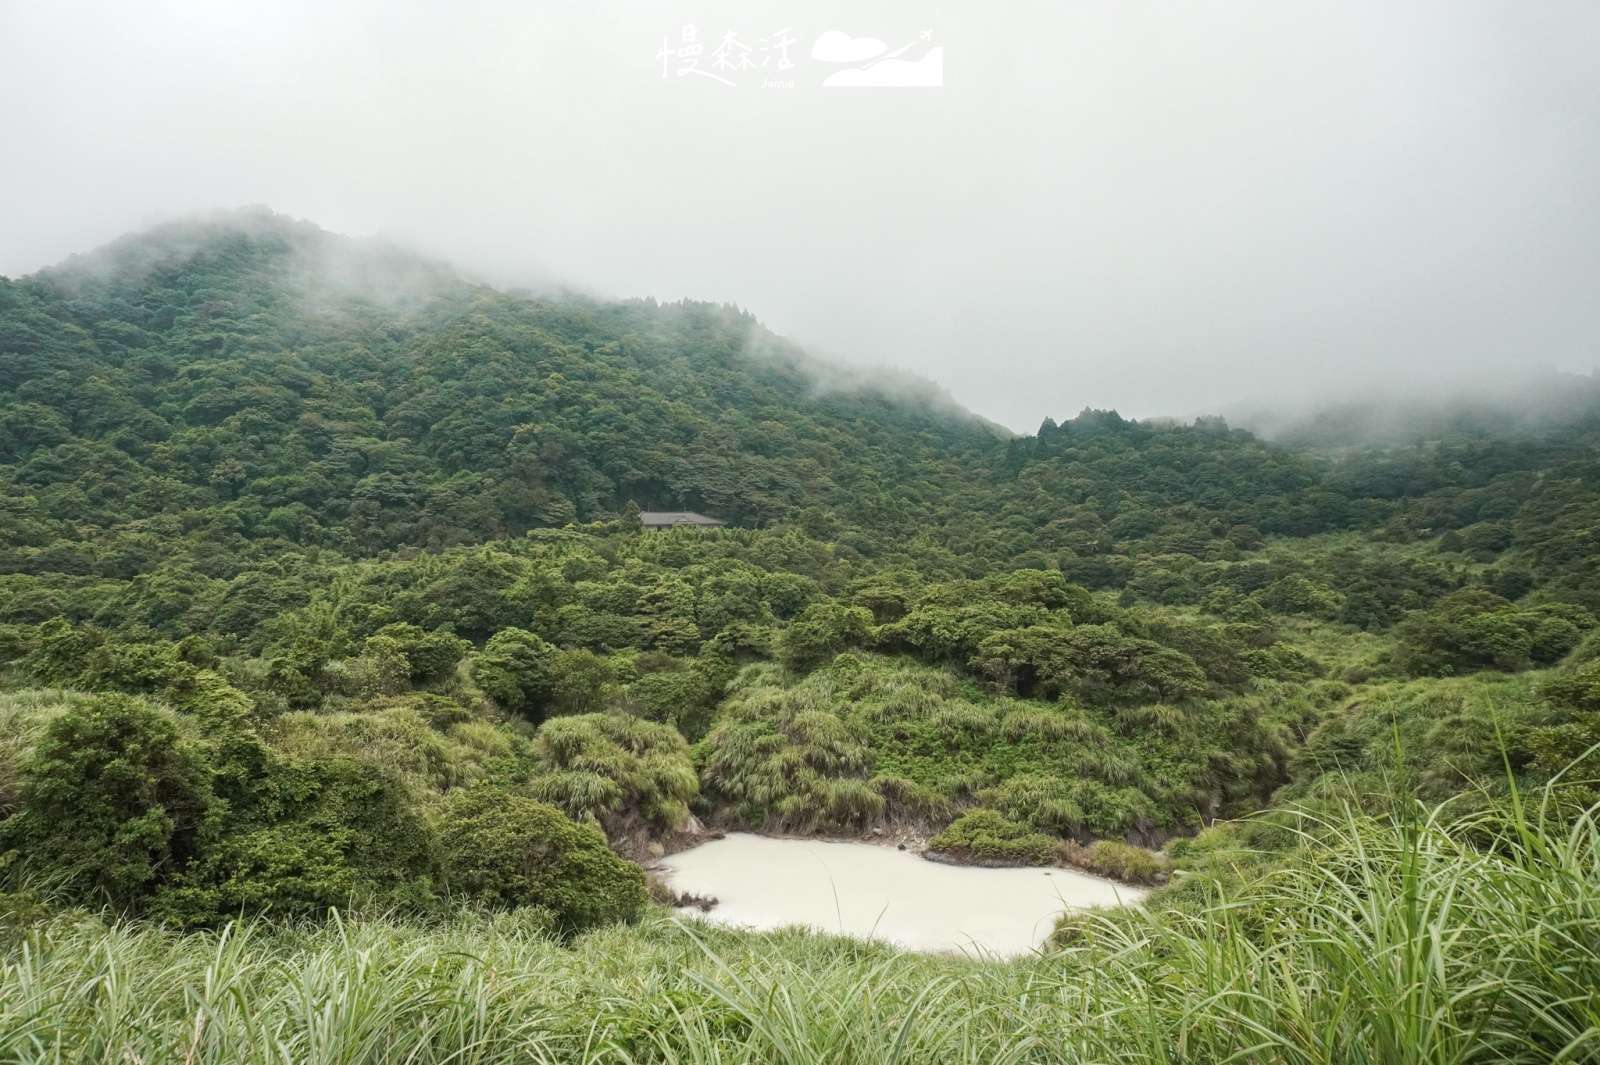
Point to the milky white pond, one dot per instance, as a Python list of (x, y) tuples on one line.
[(864, 890)]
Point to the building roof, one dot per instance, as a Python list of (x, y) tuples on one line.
[(678, 517)]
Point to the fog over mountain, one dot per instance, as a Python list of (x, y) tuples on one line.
[(1162, 208), (1523, 403)]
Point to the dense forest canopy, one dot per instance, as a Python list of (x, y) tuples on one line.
[(321, 580)]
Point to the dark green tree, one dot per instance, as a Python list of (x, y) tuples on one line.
[(502, 849), (515, 670), (117, 801)]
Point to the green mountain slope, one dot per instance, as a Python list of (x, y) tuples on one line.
[(256, 379), (339, 393), (330, 537)]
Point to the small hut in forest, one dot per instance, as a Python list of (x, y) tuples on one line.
[(671, 519)]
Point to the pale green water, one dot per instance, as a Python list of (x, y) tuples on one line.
[(865, 890)]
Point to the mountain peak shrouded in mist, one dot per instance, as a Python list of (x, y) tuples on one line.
[(277, 268), (255, 247), (263, 254), (203, 325), (260, 274)]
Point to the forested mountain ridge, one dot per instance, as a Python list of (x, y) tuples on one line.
[(336, 540), (328, 393), (320, 384)]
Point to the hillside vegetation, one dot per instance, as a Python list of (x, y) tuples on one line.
[(322, 589)]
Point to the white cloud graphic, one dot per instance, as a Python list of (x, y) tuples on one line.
[(836, 46), (926, 73)]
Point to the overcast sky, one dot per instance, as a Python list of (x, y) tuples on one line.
[(1167, 208)]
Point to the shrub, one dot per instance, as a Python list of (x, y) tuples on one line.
[(59, 651), (821, 631), (907, 798), (740, 642), (1043, 803), (1474, 630), (295, 869), (1045, 723), (381, 669), (115, 800), (1295, 594), (599, 764), (23, 716), (391, 736), (782, 752), (848, 801), (430, 656), (1283, 662), (1120, 861), (1565, 743), (504, 850), (18, 909), (324, 833), (1553, 639), (514, 670), (987, 836), (580, 682), (677, 698), (787, 593)]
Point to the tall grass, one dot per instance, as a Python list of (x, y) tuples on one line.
[(1398, 940)]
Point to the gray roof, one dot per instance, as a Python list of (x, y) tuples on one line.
[(677, 517)]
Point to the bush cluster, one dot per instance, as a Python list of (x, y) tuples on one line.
[(986, 836)]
